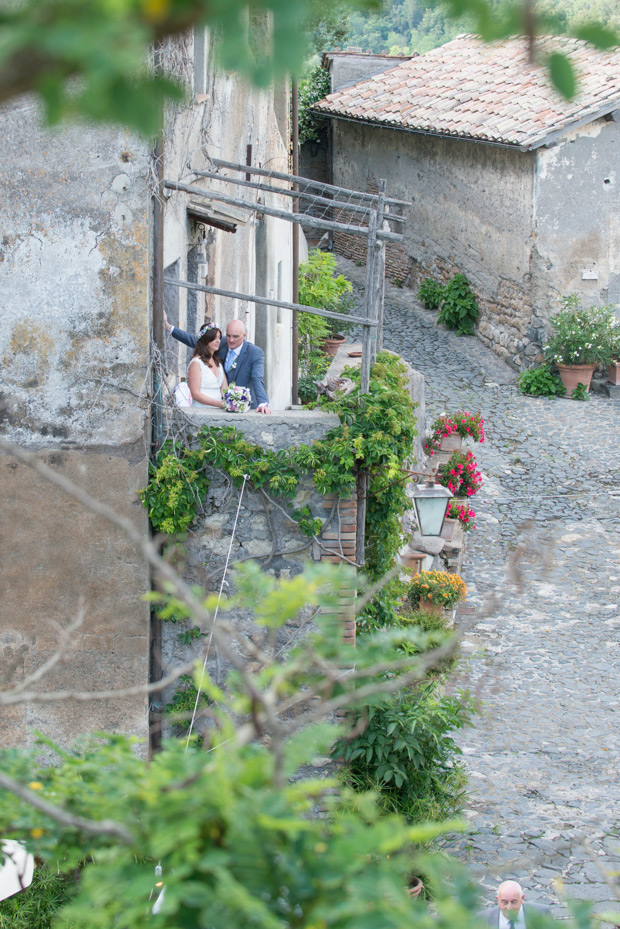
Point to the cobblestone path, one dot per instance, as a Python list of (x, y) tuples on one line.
[(541, 629)]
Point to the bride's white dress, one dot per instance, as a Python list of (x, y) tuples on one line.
[(210, 382)]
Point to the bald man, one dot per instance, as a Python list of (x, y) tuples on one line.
[(244, 363), (511, 912)]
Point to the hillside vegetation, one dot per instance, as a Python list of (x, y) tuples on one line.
[(410, 26)]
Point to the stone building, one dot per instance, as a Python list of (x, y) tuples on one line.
[(76, 256), (511, 184)]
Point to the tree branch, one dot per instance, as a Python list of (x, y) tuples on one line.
[(106, 827)]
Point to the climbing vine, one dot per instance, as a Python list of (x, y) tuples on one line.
[(375, 434)]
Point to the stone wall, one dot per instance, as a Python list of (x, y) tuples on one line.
[(74, 266), (264, 532), (526, 228), (471, 212)]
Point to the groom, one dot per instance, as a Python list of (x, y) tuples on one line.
[(244, 363)]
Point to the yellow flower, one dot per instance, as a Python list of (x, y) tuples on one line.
[(35, 785), (37, 833)]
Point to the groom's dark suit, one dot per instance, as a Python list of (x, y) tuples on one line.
[(491, 917), (248, 368)]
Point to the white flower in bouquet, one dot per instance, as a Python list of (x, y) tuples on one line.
[(238, 399)]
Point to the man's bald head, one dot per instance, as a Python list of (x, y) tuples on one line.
[(510, 897)]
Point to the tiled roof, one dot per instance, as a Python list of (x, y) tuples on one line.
[(488, 92)]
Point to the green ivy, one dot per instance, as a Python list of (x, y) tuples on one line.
[(312, 89), (177, 484), (375, 434)]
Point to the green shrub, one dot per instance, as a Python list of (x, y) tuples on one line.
[(431, 293), (540, 382), (432, 627), (460, 308), (321, 286), (408, 756)]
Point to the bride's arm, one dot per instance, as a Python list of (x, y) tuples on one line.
[(224, 384), (194, 378)]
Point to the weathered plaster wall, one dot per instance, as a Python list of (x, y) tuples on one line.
[(74, 265), (577, 218), (472, 213), (222, 122)]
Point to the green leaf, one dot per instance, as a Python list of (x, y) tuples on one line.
[(562, 74), (598, 35)]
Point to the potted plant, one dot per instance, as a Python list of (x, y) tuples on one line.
[(322, 287), (613, 368), (435, 590), (460, 474), (582, 338), (459, 514), (449, 430)]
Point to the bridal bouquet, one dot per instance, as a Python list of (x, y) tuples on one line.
[(237, 399)]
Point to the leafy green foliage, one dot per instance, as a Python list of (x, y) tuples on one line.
[(312, 89), (328, 24), (308, 524), (182, 705), (383, 610), (409, 26), (460, 308), (34, 908), (580, 392), (431, 293), (540, 382), (177, 484), (107, 44), (407, 753), (322, 287), (232, 827), (376, 435)]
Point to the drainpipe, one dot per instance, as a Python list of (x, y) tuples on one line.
[(295, 331), (157, 207)]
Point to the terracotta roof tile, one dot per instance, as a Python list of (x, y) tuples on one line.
[(486, 92)]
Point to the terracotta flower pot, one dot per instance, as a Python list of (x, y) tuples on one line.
[(451, 443), (571, 375), (429, 607), (447, 529), (613, 373), (333, 343), (415, 887), (413, 561)]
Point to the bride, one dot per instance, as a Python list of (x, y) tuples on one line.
[(205, 375)]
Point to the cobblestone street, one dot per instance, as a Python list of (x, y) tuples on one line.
[(541, 628)]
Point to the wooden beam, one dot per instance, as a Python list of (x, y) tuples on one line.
[(302, 218), (268, 301)]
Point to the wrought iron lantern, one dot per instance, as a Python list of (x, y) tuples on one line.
[(431, 505)]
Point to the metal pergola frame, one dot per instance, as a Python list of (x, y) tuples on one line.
[(375, 219)]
